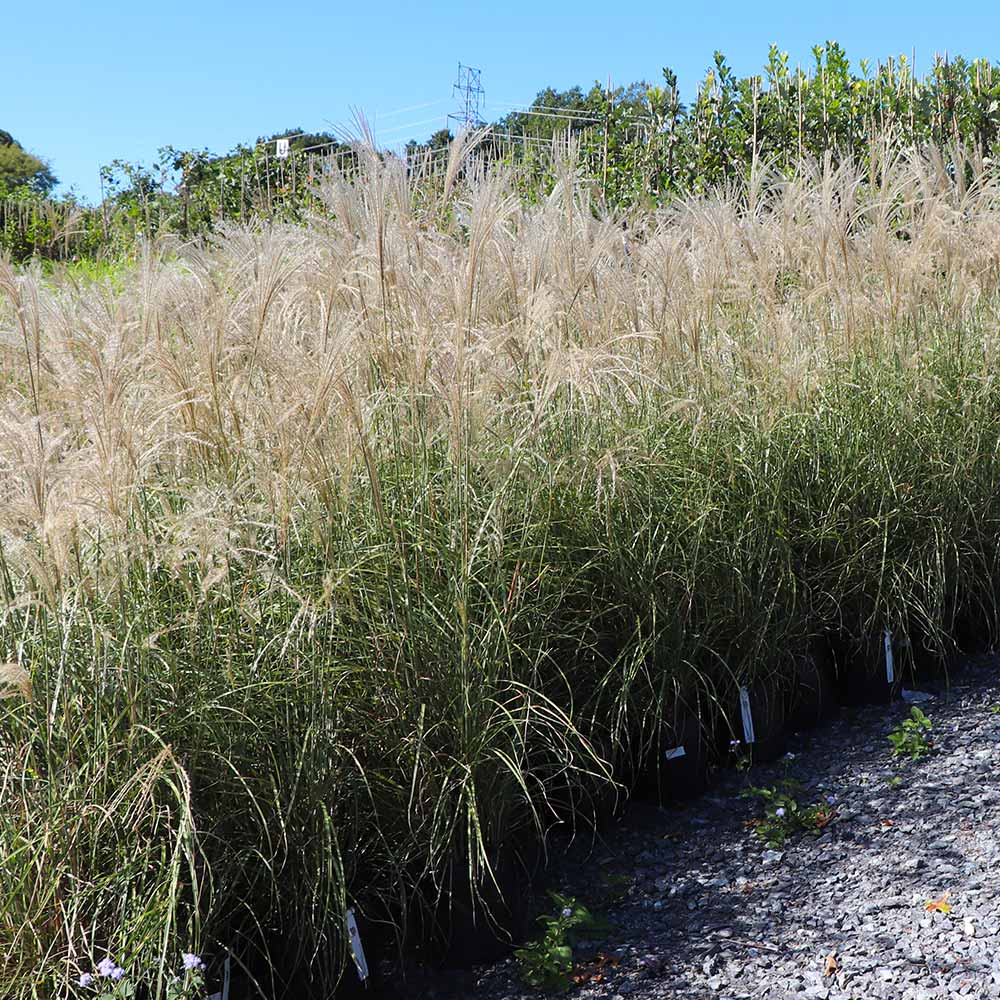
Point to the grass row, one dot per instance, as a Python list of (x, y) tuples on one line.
[(289, 658)]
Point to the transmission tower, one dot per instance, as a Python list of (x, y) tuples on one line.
[(468, 88)]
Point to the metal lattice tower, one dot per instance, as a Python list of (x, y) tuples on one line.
[(469, 91)]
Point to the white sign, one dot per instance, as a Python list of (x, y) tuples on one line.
[(748, 736), (890, 673), (675, 753), (281, 149), (357, 951)]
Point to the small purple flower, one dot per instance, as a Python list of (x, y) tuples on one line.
[(108, 969), (567, 912), (85, 979), (831, 800), (734, 744), (192, 962), (780, 812)]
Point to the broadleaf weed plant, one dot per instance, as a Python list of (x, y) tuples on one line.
[(783, 816), (546, 963), (912, 737)]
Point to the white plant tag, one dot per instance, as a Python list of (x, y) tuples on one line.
[(226, 975), (357, 951), (675, 753), (890, 674), (281, 149), (748, 736)]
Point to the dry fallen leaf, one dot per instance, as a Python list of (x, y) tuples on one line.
[(830, 965), (14, 681), (823, 817), (583, 975), (939, 905)]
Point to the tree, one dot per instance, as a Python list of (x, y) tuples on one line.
[(441, 139), (301, 141), (18, 168)]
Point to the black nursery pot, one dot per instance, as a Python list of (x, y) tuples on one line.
[(812, 696), (454, 933), (925, 662), (971, 631), (862, 668), (277, 959), (676, 766), (463, 933)]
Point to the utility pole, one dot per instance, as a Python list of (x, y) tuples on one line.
[(608, 108), (468, 88)]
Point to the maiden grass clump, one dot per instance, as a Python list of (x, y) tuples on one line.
[(348, 560)]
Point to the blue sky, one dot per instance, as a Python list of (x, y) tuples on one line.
[(88, 83)]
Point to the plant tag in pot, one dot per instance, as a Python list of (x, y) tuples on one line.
[(675, 753), (357, 951), (890, 673), (748, 736)]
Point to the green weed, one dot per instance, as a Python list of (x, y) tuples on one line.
[(912, 737), (783, 816), (547, 962)]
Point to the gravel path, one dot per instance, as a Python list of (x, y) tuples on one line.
[(700, 908)]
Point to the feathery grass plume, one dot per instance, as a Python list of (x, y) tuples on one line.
[(15, 682)]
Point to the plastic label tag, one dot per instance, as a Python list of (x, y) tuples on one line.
[(281, 149), (675, 753), (890, 673), (357, 951), (748, 736)]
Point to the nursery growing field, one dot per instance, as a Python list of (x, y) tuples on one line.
[(347, 559)]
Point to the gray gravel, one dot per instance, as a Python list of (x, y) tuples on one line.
[(705, 910)]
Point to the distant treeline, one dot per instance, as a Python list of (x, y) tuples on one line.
[(640, 143)]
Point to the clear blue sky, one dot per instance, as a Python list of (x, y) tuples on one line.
[(88, 83)]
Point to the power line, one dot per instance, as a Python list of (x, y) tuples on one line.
[(403, 128), (412, 107), (549, 114), (532, 108)]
